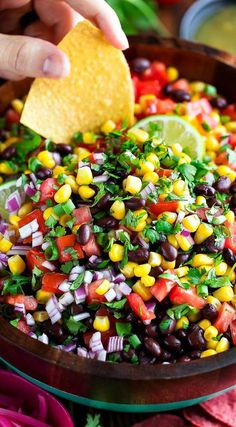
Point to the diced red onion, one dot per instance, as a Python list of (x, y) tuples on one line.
[(99, 158), (124, 288), (33, 335), (180, 217), (45, 245), (37, 239), (185, 233), (55, 317), (49, 265), (106, 274), (150, 188), (80, 295), (68, 347), (3, 259), (93, 259), (115, 343), (146, 322), (97, 275), (119, 294), (3, 227), (101, 178), (19, 308), (66, 299), (119, 278), (29, 319), (190, 239), (19, 182), (28, 229), (57, 158), (82, 164), (64, 286), (88, 277), (43, 338), (13, 202), (82, 351), (209, 178), (142, 242), (110, 295), (33, 178), (18, 250), (95, 343), (29, 189), (75, 272), (151, 305), (81, 316), (101, 355)]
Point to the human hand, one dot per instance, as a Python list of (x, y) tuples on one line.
[(31, 52)]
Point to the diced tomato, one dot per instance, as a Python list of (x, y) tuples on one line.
[(36, 214), (189, 296), (222, 159), (157, 71), (12, 117), (139, 308), (232, 140), (233, 331), (146, 87), (181, 84), (164, 172), (165, 106), (202, 106), (92, 248), (158, 208), (22, 326), (225, 317), (48, 188), (65, 242), (52, 281), (230, 111), (162, 288), (29, 302), (230, 242), (93, 297), (82, 215), (35, 258)]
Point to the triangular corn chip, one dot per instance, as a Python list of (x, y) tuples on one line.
[(99, 88)]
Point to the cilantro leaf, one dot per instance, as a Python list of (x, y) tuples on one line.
[(117, 305), (123, 329), (93, 421), (75, 326), (77, 282), (188, 171)]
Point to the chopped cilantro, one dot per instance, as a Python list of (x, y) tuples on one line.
[(93, 420), (178, 311), (36, 197), (36, 274), (117, 305), (67, 267), (188, 171), (51, 221), (77, 282), (75, 326), (13, 284)]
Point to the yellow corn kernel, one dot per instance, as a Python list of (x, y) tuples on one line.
[(45, 157), (128, 269), (117, 209), (84, 176), (142, 270), (14, 219), (223, 294), (230, 216), (86, 192), (70, 180), (211, 154), (210, 332), (154, 259), (108, 127), (172, 240), (183, 242), (58, 170), (137, 109), (5, 169), (1, 179), (181, 161), (202, 259), (222, 345), (203, 232), (152, 157), (139, 135), (194, 315), (197, 86), (103, 288), (133, 184), (211, 344), (231, 274), (179, 187), (17, 105), (49, 212), (101, 323), (75, 229), (176, 149), (186, 157), (231, 126), (172, 74), (25, 209), (207, 353), (166, 265), (43, 296), (182, 271), (64, 219), (212, 144), (82, 153), (145, 167), (141, 290), (140, 226), (168, 216), (221, 269), (144, 98), (200, 200), (218, 131), (63, 194), (204, 324), (148, 281), (182, 323), (191, 223), (151, 177), (40, 316), (226, 171), (89, 138), (5, 245), (116, 253), (16, 264), (214, 301)]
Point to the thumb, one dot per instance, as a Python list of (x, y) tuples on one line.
[(22, 56)]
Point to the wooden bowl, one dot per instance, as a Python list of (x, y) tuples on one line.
[(126, 387)]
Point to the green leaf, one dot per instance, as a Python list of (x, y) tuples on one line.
[(74, 326), (58, 231), (51, 221), (36, 197), (188, 171), (93, 421), (13, 284), (36, 274), (179, 311), (77, 282), (67, 267), (123, 329), (117, 305), (30, 143)]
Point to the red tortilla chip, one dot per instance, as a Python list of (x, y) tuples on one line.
[(199, 418), (222, 408), (162, 420)]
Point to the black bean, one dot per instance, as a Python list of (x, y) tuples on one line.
[(168, 325), (165, 356), (55, 332), (183, 359), (3, 135), (140, 256), (229, 256), (139, 65), (172, 343), (219, 102), (83, 234), (181, 259), (152, 330), (211, 246), (127, 355), (209, 312), (43, 173), (204, 189), (8, 153), (196, 354), (104, 202), (131, 317), (168, 89), (76, 309), (233, 188), (180, 95), (233, 200), (145, 359), (107, 222), (135, 203), (63, 149), (212, 201), (182, 336), (196, 339), (168, 251), (152, 347), (222, 184), (156, 271)]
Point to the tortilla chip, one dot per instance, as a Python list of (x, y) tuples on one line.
[(99, 88), (163, 420), (199, 418), (222, 408)]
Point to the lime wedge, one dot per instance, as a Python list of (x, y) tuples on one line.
[(5, 190), (172, 130)]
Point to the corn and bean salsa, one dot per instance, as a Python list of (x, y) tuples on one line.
[(119, 247)]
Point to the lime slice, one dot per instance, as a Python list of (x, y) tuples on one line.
[(174, 130), (5, 190)]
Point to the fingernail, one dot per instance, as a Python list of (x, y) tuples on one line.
[(124, 41), (56, 66)]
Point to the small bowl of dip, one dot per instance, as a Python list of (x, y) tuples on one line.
[(212, 22)]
